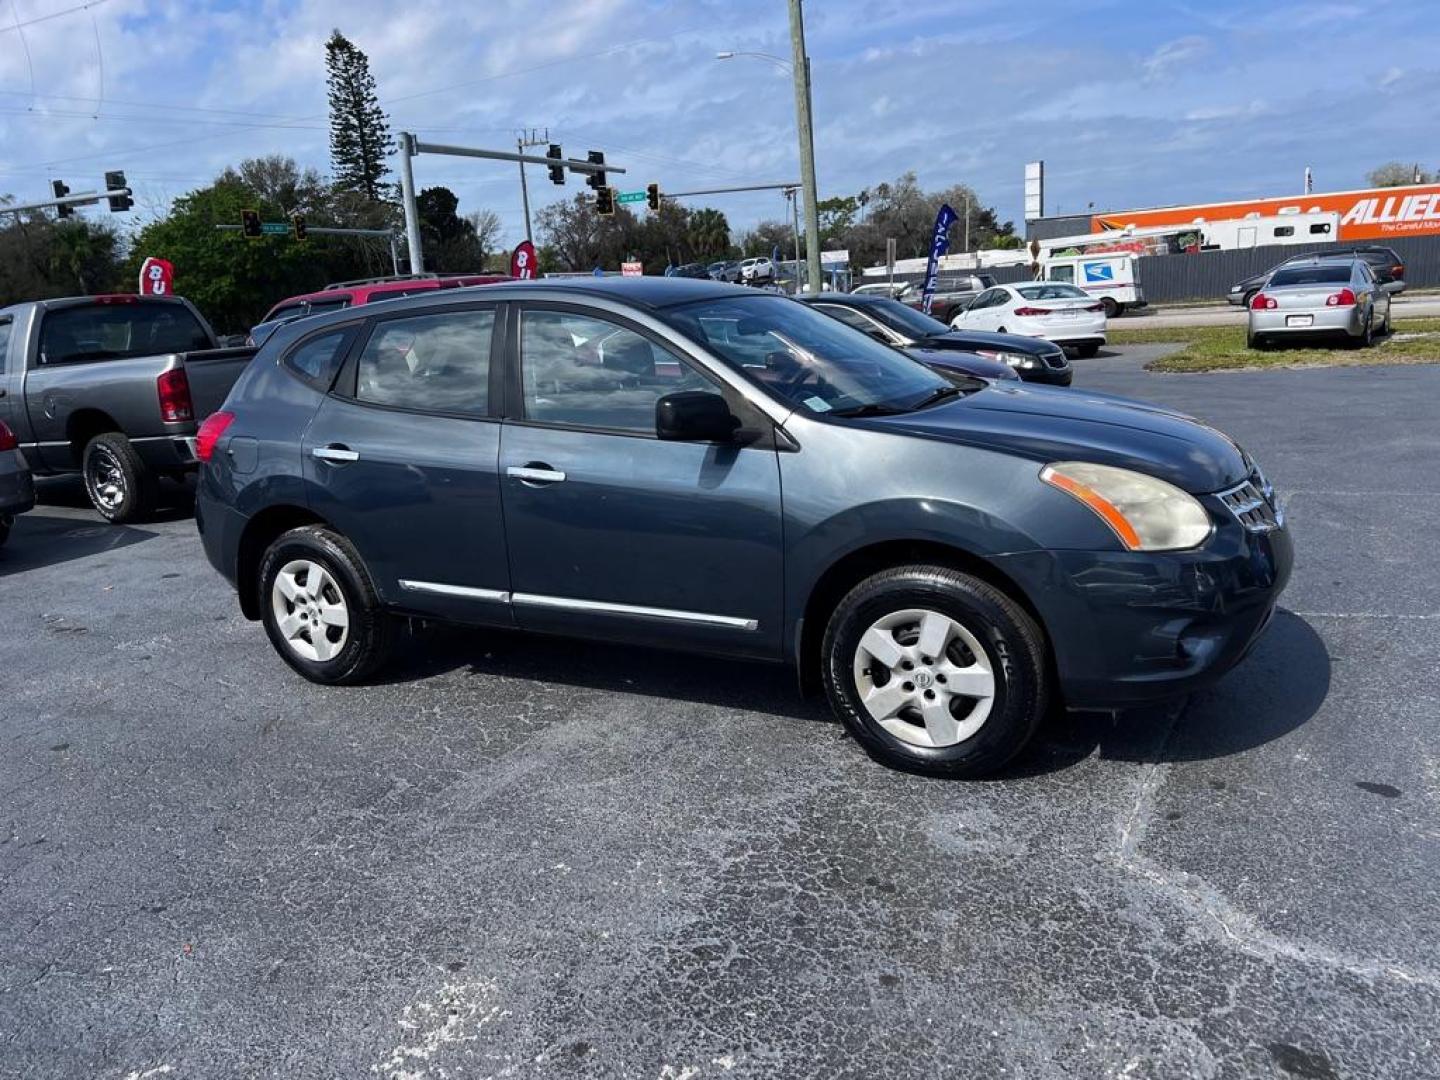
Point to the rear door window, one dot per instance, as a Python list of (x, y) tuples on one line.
[(438, 363)]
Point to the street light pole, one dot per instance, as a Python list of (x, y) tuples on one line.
[(807, 147)]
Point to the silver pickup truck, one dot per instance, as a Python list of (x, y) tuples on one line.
[(114, 388)]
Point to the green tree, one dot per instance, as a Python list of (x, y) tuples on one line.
[(452, 242), (580, 239), (359, 128), (41, 257), (708, 232)]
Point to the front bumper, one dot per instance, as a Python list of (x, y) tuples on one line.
[(1134, 627), (1322, 320), (1047, 375)]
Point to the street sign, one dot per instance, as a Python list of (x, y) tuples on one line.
[(632, 269), (631, 196), (274, 228)]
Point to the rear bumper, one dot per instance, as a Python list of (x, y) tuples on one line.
[(167, 452), (17, 490), (220, 529), (1336, 320), (1129, 628)]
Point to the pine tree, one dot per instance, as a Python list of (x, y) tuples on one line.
[(359, 128)]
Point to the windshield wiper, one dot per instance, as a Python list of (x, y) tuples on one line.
[(874, 408), (944, 393)]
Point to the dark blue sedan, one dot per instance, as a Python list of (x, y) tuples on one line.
[(695, 465)]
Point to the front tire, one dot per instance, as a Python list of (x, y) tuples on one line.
[(321, 610), (120, 485), (1088, 352), (5, 522), (935, 671)]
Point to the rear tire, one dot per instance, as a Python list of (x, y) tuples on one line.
[(1087, 352), (1112, 309), (120, 485), (1255, 341), (321, 610), (935, 671), (1367, 336), (5, 522)]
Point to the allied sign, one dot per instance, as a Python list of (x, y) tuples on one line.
[(632, 269), (522, 261), (157, 277), (1367, 214)]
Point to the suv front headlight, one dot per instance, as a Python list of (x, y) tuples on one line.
[(1014, 359), (1146, 513)]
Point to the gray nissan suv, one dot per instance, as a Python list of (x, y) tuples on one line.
[(694, 465)]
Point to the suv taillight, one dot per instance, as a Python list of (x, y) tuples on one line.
[(1343, 298), (210, 432), (174, 390), (7, 438), (1260, 302), (1397, 272), (1026, 312)]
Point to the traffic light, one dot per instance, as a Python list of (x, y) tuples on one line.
[(557, 172), (605, 201), (596, 179), (250, 224), (114, 181), (297, 224), (58, 186), (652, 196)]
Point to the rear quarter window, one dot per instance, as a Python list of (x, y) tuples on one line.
[(317, 359)]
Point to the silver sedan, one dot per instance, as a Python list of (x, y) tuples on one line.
[(1334, 298)]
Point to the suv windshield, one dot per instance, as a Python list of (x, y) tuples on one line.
[(1323, 274), (807, 358), (906, 319), (113, 331)]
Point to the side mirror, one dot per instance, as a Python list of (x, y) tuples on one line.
[(694, 416)]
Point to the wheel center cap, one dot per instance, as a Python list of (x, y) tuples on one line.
[(923, 679)]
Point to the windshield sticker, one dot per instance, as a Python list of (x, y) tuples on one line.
[(817, 404)]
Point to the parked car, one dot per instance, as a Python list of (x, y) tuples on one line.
[(898, 324), (758, 270), (896, 290), (725, 270), (699, 466), (345, 294), (689, 270), (1384, 262), (952, 293), (1320, 298), (112, 387), (17, 490), (1051, 310)]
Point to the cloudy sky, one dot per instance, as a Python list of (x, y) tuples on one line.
[(1133, 103)]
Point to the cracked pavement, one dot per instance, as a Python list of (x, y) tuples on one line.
[(538, 858)]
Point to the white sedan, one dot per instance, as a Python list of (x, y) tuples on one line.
[(1044, 309)]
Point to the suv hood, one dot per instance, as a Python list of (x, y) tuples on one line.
[(970, 340), (1049, 424)]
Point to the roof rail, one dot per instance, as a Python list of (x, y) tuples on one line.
[(380, 280)]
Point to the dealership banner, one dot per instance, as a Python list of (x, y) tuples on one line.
[(1367, 214), (939, 244)]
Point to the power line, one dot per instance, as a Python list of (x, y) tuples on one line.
[(52, 15)]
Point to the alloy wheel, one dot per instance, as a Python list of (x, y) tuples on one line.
[(105, 479), (924, 677), (310, 610)]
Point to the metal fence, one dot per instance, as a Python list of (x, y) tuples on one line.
[(1208, 275)]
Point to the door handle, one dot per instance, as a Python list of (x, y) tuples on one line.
[(535, 473), (335, 454)]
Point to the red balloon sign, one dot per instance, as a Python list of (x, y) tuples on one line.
[(522, 261), (157, 277)]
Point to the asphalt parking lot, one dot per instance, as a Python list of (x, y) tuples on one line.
[(521, 857)]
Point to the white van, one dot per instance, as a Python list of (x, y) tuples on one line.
[(1113, 278)]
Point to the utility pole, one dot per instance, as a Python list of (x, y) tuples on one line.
[(412, 209), (527, 139), (807, 146)]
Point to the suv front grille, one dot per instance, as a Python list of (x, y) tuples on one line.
[(1254, 504), (1054, 359)]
